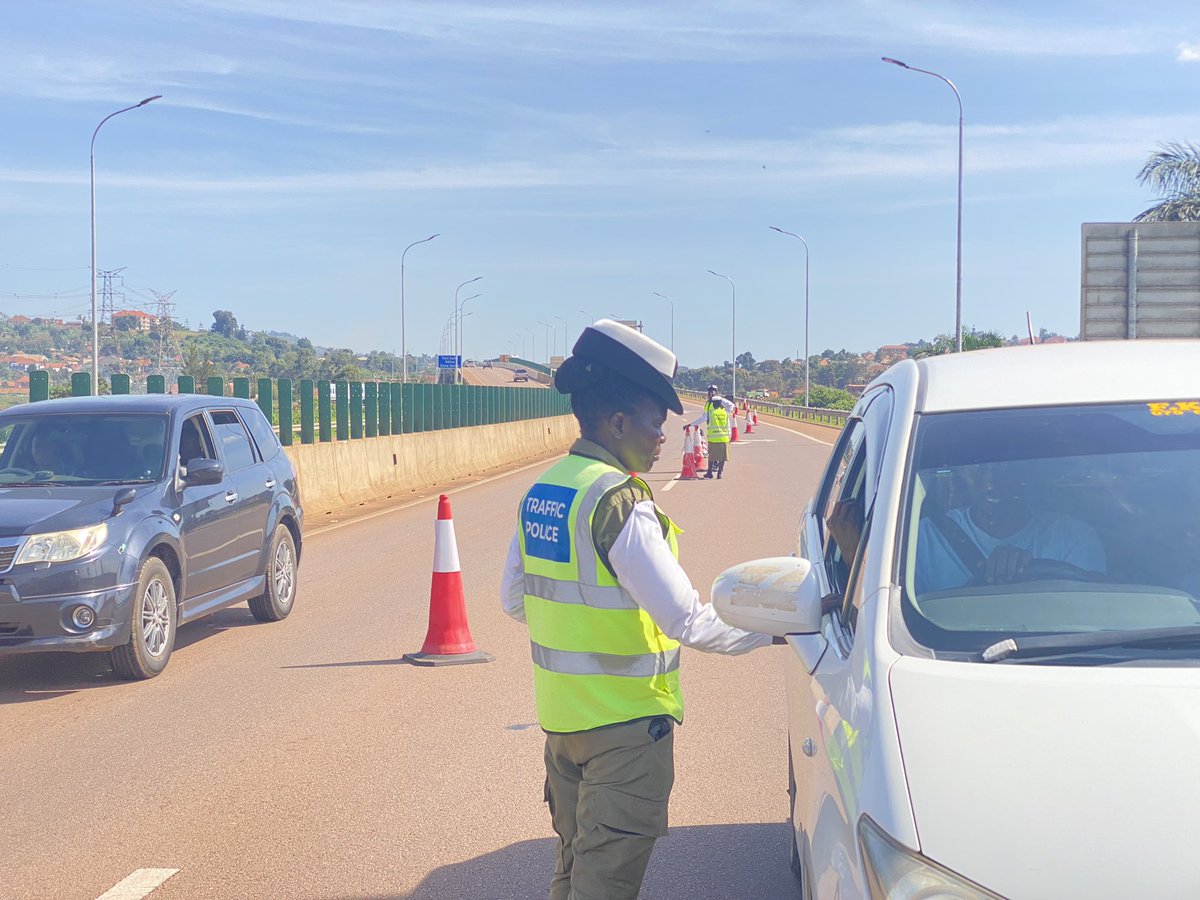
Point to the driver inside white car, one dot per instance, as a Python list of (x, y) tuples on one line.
[(997, 538)]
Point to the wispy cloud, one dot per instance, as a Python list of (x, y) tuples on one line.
[(839, 155), (729, 31), (1188, 52)]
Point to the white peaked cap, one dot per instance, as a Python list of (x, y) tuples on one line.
[(625, 351)]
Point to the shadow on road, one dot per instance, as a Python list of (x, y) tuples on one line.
[(699, 862), (26, 678)]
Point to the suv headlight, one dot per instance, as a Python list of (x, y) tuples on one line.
[(897, 873), (60, 546)]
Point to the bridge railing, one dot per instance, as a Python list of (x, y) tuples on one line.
[(815, 414), (318, 411)]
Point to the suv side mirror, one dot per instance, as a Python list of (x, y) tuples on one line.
[(204, 471), (777, 596)]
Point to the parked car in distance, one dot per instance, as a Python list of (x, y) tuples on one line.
[(470, 363), (487, 364), (520, 375), (124, 517), (994, 631)]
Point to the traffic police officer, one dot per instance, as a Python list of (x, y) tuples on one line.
[(593, 570), (715, 418)]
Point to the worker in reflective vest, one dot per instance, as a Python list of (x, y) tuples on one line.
[(593, 570), (715, 419)]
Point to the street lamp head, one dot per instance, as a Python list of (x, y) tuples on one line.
[(150, 99), (773, 228), (894, 62)]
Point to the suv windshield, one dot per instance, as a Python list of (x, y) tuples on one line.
[(1052, 521), (81, 448)]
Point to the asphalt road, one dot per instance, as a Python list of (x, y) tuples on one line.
[(497, 375), (303, 759)]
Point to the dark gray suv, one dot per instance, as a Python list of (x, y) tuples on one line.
[(124, 517)]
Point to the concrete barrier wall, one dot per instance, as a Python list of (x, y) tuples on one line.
[(346, 473)]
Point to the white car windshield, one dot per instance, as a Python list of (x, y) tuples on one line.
[(1052, 521)]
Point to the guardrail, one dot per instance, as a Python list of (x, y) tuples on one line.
[(815, 414), (348, 410)]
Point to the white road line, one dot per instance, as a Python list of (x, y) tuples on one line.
[(670, 484), (137, 885)]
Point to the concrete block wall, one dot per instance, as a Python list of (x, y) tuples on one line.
[(346, 473)]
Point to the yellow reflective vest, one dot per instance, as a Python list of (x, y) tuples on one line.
[(598, 657), (718, 423)]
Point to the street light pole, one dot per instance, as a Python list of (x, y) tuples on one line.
[(403, 339), (456, 349), (462, 315), (549, 352), (805, 243), (672, 302), (958, 256), (564, 321), (92, 167), (732, 332)]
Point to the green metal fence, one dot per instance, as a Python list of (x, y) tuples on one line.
[(324, 411)]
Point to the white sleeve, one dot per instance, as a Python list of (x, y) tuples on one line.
[(702, 420), (512, 586), (729, 407), (645, 567)]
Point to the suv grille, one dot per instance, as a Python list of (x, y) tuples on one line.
[(7, 554)]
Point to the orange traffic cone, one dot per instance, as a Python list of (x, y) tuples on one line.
[(689, 454), (733, 435), (754, 414), (749, 423), (699, 449), (448, 640)]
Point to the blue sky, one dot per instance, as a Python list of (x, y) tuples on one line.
[(580, 156)]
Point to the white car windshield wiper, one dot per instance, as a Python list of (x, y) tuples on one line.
[(1056, 644)]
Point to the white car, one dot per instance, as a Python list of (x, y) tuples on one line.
[(996, 690)]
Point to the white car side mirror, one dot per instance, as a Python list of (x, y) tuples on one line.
[(777, 596)]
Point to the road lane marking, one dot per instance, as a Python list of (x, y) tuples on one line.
[(137, 885), (670, 484)]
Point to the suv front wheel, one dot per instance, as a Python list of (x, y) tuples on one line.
[(152, 625), (276, 600)]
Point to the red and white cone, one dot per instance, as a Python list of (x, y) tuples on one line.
[(448, 640), (689, 455), (749, 421), (754, 415), (733, 434), (700, 449)]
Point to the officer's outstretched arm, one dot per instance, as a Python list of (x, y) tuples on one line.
[(646, 568), (512, 585)]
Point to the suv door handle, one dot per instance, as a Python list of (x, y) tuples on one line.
[(231, 496), (270, 483)]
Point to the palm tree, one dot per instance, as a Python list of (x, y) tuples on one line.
[(1174, 173)]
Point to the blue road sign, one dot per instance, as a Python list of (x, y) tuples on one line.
[(449, 361)]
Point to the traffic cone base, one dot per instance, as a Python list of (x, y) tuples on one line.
[(447, 659), (448, 640)]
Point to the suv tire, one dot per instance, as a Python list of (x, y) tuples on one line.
[(276, 600), (153, 618)]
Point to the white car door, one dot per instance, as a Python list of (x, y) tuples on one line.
[(829, 676)]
